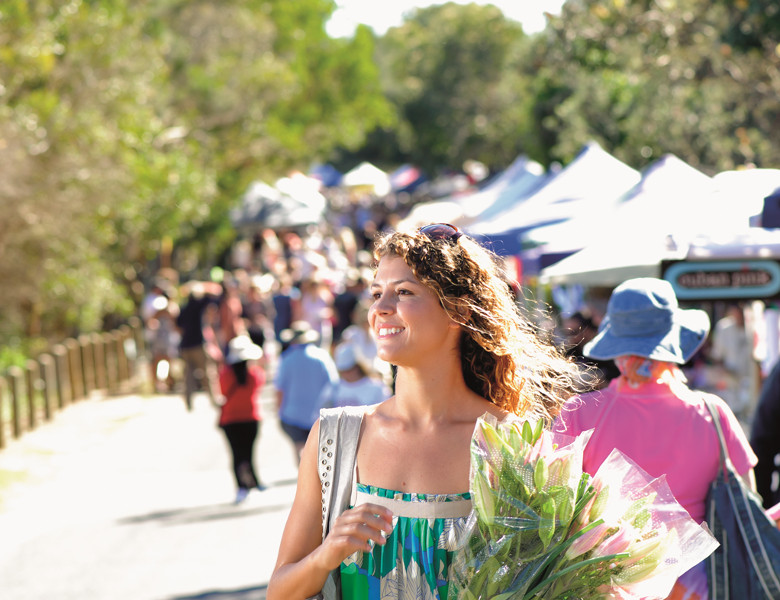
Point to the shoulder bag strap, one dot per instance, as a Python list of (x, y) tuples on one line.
[(752, 523), (338, 441), (328, 442), (339, 434), (718, 574), (724, 454)]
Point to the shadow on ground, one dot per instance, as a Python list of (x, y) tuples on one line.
[(213, 512), (252, 593), (199, 514)]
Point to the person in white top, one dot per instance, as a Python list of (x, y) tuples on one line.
[(732, 351), (359, 335), (355, 387)]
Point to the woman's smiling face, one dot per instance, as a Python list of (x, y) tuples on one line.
[(409, 323)]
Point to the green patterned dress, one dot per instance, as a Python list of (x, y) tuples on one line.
[(414, 564)]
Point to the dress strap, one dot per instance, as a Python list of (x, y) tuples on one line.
[(451, 509)]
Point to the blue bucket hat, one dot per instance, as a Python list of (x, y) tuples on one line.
[(644, 319)]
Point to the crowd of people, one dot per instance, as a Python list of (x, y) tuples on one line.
[(322, 317), (296, 304)]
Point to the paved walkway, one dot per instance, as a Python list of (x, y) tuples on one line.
[(131, 498)]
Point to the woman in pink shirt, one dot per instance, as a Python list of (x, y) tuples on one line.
[(649, 413), (241, 382)]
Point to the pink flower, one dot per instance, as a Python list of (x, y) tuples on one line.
[(587, 541), (616, 543), (560, 470)]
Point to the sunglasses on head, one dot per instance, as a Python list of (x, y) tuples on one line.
[(441, 231)]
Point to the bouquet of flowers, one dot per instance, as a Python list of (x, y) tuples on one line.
[(542, 528)]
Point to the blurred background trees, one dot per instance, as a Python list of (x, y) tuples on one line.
[(451, 72), (645, 78), (130, 127)]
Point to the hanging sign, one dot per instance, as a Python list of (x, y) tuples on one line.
[(722, 280)]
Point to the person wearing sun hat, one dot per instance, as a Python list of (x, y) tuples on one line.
[(644, 319), (241, 380), (649, 412)]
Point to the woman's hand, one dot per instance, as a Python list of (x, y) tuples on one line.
[(304, 559), (356, 529)]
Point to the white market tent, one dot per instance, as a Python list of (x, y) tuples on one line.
[(593, 267), (366, 175), (463, 208), (304, 189), (667, 185), (713, 224), (521, 178), (445, 210), (742, 192), (592, 182), (610, 263), (292, 202)]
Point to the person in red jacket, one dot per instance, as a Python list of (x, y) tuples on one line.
[(241, 382)]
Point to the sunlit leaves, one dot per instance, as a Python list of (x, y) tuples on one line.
[(123, 123), (449, 70), (647, 78)]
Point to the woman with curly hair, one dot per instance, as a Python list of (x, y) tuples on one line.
[(383, 490)]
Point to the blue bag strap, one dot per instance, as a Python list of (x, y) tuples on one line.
[(717, 563), (751, 520), (724, 466)]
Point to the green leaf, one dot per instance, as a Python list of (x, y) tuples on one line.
[(528, 434), (602, 496), (538, 430), (547, 522), (565, 503), (540, 474), (571, 568)]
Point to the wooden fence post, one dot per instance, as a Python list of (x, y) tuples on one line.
[(62, 377), (3, 397), (87, 363), (49, 381), (74, 369), (124, 363), (68, 372), (139, 342), (111, 366), (135, 350), (99, 349), (15, 376), (33, 385)]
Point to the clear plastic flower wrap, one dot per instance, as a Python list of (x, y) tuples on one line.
[(542, 528)]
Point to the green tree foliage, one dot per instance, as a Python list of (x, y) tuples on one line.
[(754, 24), (71, 124), (692, 77), (451, 71), (646, 78), (124, 123)]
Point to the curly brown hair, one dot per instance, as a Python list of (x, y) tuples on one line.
[(503, 357)]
